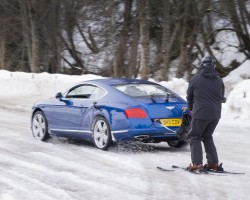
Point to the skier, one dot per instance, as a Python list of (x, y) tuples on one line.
[(205, 95)]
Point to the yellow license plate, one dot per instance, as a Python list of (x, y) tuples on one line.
[(171, 122)]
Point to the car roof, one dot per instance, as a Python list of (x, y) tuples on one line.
[(120, 81)]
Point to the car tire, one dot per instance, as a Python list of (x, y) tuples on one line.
[(177, 143), (101, 133), (39, 126)]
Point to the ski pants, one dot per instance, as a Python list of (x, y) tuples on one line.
[(202, 131)]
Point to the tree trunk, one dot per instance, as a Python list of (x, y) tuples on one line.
[(183, 43), (2, 46), (54, 48), (166, 45), (132, 66), (123, 46), (111, 37), (34, 38), (144, 38)]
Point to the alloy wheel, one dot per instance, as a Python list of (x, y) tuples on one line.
[(101, 133), (39, 126)]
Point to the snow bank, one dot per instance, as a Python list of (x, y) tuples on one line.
[(224, 47), (239, 74), (238, 102), (177, 85), (21, 83), (19, 90)]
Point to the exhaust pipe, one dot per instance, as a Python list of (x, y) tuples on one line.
[(142, 137)]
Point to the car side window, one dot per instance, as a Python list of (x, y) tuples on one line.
[(86, 92), (97, 93), (82, 91)]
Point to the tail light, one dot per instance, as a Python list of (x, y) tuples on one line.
[(135, 113)]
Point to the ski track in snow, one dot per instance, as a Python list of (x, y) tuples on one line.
[(65, 170)]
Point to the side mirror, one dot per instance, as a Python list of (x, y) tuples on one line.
[(59, 95), (96, 106)]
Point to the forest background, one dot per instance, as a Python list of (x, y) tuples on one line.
[(123, 38)]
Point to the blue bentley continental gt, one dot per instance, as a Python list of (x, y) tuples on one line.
[(105, 111)]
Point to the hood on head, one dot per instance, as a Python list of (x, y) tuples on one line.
[(208, 71)]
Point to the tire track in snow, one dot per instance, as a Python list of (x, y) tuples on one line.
[(30, 169), (73, 183), (44, 162)]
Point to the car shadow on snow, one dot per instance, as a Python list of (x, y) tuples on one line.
[(131, 146), (62, 140), (140, 147)]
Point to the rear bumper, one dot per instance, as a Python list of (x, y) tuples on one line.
[(155, 135)]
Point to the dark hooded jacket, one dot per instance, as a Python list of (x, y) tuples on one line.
[(205, 94)]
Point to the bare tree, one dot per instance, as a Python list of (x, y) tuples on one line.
[(123, 41), (30, 9), (3, 33), (171, 27), (119, 35), (193, 13), (50, 41), (37, 35), (70, 11), (10, 35), (133, 68), (144, 37), (234, 12)]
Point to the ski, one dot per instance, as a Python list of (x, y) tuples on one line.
[(202, 171), (184, 169), (225, 172), (165, 170), (199, 172), (193, 172), (221, 170), (210, 171)]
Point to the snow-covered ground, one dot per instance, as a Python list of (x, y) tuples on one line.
[(66, 170)]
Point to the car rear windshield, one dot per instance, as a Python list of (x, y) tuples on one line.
[(145, 90)]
